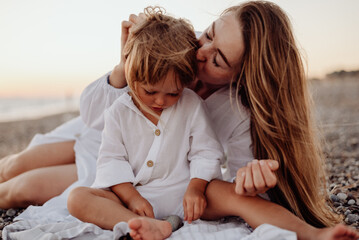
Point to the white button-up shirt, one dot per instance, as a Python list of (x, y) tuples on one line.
[(163, 158)]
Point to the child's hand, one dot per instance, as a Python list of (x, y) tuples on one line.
[(257, 177), (194, 201), (141, 206), (128, 194)]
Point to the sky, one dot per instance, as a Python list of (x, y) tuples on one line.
[(57, 47)]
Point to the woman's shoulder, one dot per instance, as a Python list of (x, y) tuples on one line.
[(225, 102), (190, 97), (190, 93)]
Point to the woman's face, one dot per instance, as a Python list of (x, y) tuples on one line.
[(220, 52)]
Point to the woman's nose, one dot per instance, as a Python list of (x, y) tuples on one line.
[(201, 54)]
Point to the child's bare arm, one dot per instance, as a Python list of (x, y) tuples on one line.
[(194, 201), (131, 198)]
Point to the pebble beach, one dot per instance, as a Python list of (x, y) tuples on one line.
[(337, 114)]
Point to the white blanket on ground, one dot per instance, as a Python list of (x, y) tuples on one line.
[(198, 230), (52, 220)]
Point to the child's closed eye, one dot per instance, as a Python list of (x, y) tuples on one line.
[(150, 92)]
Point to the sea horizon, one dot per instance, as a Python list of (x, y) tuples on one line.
[(26, 108)]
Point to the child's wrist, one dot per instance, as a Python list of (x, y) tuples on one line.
[(198, 184), (125, 192)]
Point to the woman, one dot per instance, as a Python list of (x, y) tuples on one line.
[(252, 50)]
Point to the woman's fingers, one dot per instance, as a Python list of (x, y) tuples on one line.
[(258, 180), (248, 182), (273, 164), (241, 175), (133, 18), (268, 175), (125, 26), (125, 32), (137, 18), (257, 177), (142, 16)]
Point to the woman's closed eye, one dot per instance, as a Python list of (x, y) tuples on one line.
[(214, 61), (173, 94), (208, 36)]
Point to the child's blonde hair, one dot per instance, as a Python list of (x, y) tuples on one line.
[(158, 45)]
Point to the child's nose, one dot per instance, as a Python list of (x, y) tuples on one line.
[(160, 101)]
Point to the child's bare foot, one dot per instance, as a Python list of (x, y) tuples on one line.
[(339, 232), (145, 228)]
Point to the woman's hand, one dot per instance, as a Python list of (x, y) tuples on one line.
[(141, 206), (117, 77), (194, 201), (257, 177)]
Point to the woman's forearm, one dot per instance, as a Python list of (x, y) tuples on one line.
[(117, 78)]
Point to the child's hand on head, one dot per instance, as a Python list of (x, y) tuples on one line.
[(141, 206), (257, 177), (194, 203)]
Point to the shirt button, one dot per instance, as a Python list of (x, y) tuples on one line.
[(149, 163), (157, 132)]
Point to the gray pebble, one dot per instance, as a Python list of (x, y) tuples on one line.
[(10, 212), (352, 218), (347, 212), (334, 198), (342, 196), (351, 202)]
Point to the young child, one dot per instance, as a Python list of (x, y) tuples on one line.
[(158, 148)]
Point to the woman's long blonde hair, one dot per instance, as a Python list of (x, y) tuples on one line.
[(271, 82), (158, 45)]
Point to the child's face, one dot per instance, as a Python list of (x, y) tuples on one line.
[(161, 95)]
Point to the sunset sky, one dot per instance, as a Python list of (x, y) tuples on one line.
[(57, 47)]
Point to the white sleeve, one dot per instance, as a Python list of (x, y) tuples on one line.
[(239, 147), (206, 153), (112, 165), (96, 97)]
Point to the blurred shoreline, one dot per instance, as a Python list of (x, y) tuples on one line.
[(24, 108)]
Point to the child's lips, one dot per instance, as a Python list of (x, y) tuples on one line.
[(157, 109)]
